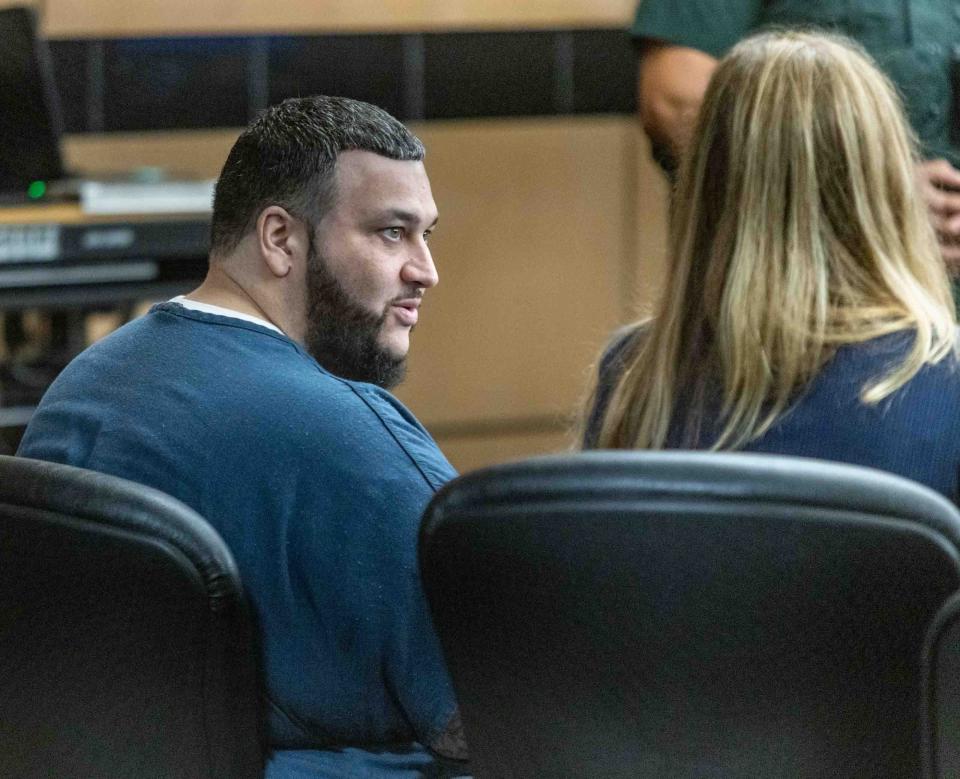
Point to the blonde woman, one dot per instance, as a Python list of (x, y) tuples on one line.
[(807, 309)]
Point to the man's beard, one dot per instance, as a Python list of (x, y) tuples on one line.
[(341, 335)]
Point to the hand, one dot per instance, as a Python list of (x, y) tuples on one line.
[(940, 186)]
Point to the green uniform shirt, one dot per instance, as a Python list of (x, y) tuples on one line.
[(912, 40)]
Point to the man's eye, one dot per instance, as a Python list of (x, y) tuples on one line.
[(394, 233), (426, 236)]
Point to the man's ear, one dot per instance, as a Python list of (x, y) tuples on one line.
[(282, 240)]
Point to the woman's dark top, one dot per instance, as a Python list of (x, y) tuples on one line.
[(915, 432)]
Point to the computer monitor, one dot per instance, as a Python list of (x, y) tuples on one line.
[(30, 118)]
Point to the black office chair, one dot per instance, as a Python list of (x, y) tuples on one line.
[(126, 647), (688, 614)]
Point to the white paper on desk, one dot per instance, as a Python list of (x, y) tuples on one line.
[(161, 197)]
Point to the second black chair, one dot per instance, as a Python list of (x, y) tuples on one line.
[(688, 614)]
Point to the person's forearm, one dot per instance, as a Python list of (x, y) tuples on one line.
[(669, 119), (671, 83), (940, 187)]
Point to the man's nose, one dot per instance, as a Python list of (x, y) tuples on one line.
[(419, 268)]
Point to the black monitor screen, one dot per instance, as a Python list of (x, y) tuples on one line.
[(30, 124)]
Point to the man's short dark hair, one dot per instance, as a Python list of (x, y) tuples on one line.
[(286, 157)]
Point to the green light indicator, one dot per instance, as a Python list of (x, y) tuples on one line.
[(36, 190)]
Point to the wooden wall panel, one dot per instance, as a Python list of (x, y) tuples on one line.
[(530, 251), (649, 230), (470, 453), (193, 154), (576, 217), (109, 18)]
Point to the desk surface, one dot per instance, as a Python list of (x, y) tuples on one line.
[(72, 214)]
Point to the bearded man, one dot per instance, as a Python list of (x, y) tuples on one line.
[(260, 400)]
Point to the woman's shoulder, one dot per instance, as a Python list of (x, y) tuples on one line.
[(864, 363), (890, 348)]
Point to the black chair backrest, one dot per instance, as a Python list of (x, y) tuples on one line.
[(688, 614), (126, 645)]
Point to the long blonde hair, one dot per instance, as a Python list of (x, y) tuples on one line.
[(797, 227)]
